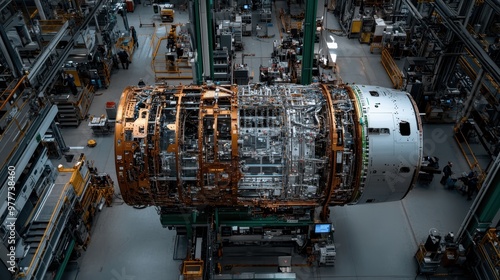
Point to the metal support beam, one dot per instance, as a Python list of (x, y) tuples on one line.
[(200, 52), (309, 35), (484, 18), (485, 207), (35, 77), (413, 10), (469, 103), (46, 53), (204, 47), (26, 147), (494, 4), (10, 55), (210, 26), (450, 20), (39, 7), (468, 12), (125, 19)]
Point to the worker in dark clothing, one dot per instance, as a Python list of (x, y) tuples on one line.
[(123, 56), (134, 36), (472, 184), (70, 80), (446, 173), (141, 83)]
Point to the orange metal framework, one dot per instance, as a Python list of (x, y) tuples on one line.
[(270, 147), (137, 181)]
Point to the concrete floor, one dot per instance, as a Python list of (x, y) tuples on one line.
[(376, 241)]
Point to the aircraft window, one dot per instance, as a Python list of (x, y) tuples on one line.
[(404, 169), (404, 128)]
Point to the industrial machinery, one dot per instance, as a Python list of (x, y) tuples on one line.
[(437, 252), (100, 125), (235, 166), (61, 221), (167, 13), (486, 254), (174, 63), (429, 167)]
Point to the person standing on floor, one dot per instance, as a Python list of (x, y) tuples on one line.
[(70, 80), (123, 56), (134, 36), (472, 184), (446, 173)]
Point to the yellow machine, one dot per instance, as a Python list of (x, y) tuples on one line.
[(192, 269), (175, 62), (355, 28), (126, 43), (167, 13), (61, 223)]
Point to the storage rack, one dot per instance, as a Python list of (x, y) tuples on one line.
[(73, 109)]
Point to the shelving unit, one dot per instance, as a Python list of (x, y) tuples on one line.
[(265, 15), (366, 30), (241, 76), (222, 64), (238, 36), (246, 20)]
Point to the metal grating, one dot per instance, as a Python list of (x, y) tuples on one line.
[(50, 204)]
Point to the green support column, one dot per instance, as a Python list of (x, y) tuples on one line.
[(62, 267), (189, 226), (216, 219), (309, 34), (485, 209), (210, 26), (199, 45)]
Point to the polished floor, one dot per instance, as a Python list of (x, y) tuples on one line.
[(376, 241)]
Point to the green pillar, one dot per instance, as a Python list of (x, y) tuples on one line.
[(189, 225), (485, 209), (199, 45), (309, 34), (216, 219), (62, 267), (210, 27)]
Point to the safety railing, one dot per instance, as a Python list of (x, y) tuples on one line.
[(395, 74), (17, 105), (469, 156)]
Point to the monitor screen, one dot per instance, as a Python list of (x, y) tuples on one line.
[(322, 228)]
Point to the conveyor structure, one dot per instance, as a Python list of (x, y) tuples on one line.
[(257, 164), (61, 221)]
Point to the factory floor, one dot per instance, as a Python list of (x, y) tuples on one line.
[(376, 241)]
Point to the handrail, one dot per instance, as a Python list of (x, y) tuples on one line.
[(55, 215), (13, 125), (11, 92), (50, 225), (474, 163), (395, 74), (472, 73)]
